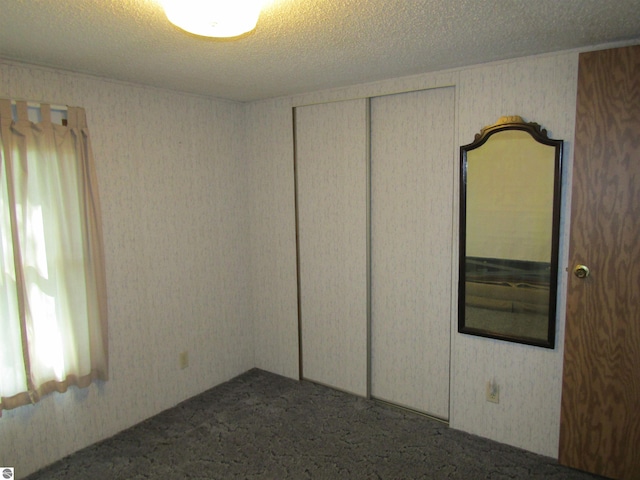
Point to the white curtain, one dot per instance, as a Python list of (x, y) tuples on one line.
[(53, 310)]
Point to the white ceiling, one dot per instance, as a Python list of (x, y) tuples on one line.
[(302, 45)]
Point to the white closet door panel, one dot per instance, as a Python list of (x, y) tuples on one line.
[(331, 159), (412, 174)]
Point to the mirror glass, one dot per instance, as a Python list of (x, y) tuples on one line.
[(509, 223)]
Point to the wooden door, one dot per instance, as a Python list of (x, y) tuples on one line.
[(600, 412), (412, 173)]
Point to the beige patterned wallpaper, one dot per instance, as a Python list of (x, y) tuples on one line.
[(543, 90), (173, 191), (269, 140)]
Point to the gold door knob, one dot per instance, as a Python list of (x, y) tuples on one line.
[(581, 271)]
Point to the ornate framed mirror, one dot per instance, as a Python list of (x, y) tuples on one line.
[(510, 180)]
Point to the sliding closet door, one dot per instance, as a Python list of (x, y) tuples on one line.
[(331, 182), (412, 175)]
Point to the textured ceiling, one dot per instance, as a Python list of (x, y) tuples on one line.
[(302, 45)]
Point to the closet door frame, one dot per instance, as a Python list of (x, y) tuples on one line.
[(303, 371)]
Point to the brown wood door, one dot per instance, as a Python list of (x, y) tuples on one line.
[(600, 413)]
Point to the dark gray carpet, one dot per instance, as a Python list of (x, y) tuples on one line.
[(261, 425)]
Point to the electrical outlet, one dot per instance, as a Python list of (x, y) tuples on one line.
[(184, 360), (493, 392)]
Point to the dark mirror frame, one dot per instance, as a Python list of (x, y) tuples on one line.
[(539, 135)]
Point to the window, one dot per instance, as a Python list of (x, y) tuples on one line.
[(53, 310)]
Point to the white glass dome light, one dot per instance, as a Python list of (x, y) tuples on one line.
[(214, 18)]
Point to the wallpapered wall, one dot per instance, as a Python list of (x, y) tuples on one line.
[(173, 190), (540, 89)]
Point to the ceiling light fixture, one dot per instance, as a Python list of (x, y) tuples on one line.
[(214, 18)]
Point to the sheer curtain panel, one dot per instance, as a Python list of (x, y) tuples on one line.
[(53, 310)]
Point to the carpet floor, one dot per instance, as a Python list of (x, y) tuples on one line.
[(264, 426)]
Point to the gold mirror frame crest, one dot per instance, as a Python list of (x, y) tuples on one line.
[(505, 122)]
